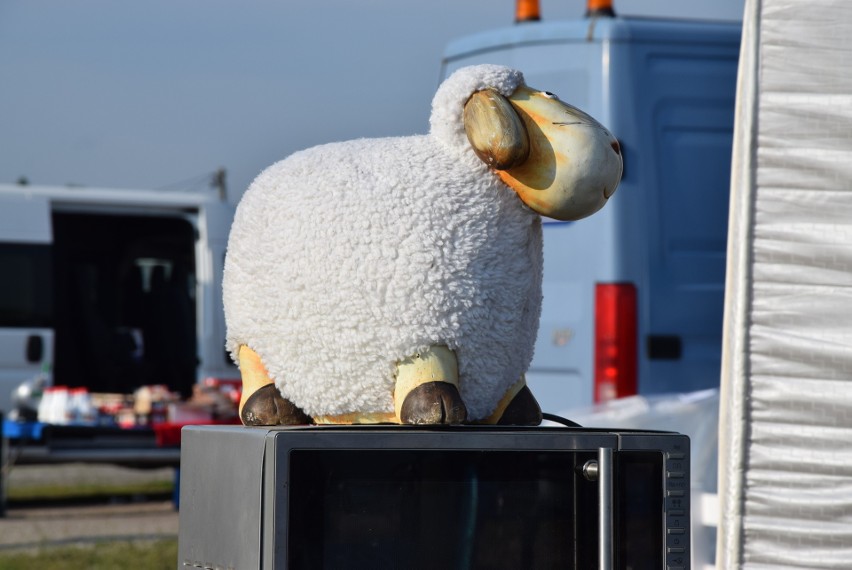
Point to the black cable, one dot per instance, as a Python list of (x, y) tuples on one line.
[(559, 420)]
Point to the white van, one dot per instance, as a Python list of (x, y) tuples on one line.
[(633, 295), (111, 289)]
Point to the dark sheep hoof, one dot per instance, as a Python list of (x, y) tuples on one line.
[(523, 410), (433, 403), (267, 407)]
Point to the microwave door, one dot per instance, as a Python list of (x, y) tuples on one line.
[(443, 509)]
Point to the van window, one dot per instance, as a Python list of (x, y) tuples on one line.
[(25, 285)]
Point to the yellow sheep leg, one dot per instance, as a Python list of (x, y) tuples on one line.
[(253, 373), (436, 364), (504, 402)]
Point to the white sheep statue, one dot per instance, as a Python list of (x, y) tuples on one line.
[(398, 280)]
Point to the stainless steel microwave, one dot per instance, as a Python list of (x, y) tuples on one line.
[(379, 497)]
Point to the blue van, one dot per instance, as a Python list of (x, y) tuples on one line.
[(633, 295)]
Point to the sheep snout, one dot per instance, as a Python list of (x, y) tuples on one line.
[(574, 163)]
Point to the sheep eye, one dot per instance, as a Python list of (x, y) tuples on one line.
[(549, 95)]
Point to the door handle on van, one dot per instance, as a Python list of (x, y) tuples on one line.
[(35, 348), (664, 347)]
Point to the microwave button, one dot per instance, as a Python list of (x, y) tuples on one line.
[(676, 512), (674, 474), (673, 493), (675, 455), (675, 550), (676, 530), (674, 567)]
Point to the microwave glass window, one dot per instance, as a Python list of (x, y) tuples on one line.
[(441, 509)]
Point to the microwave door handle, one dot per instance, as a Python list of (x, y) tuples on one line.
[(605, 509)]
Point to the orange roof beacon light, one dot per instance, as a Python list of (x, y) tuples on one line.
[(599, 8), (527, 11)]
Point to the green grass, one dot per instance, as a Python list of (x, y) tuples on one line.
[(86, 491), (100, 556)]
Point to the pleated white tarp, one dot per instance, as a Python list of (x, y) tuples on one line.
[(786, 402)]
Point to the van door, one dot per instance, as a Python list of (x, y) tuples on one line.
[(693, 99), (125, 300), (26, 292)]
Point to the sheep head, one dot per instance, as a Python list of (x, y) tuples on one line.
[(560, 161)]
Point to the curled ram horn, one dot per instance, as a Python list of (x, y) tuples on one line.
[(495, 131)]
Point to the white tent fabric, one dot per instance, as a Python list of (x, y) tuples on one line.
[(785, 463)]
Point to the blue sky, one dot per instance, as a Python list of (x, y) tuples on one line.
[(146, 94)]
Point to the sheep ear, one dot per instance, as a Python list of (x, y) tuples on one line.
[(495, 131)]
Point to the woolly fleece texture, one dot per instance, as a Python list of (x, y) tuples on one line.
[(346, 258)]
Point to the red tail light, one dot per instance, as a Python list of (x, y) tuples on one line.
[(615, 341)]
